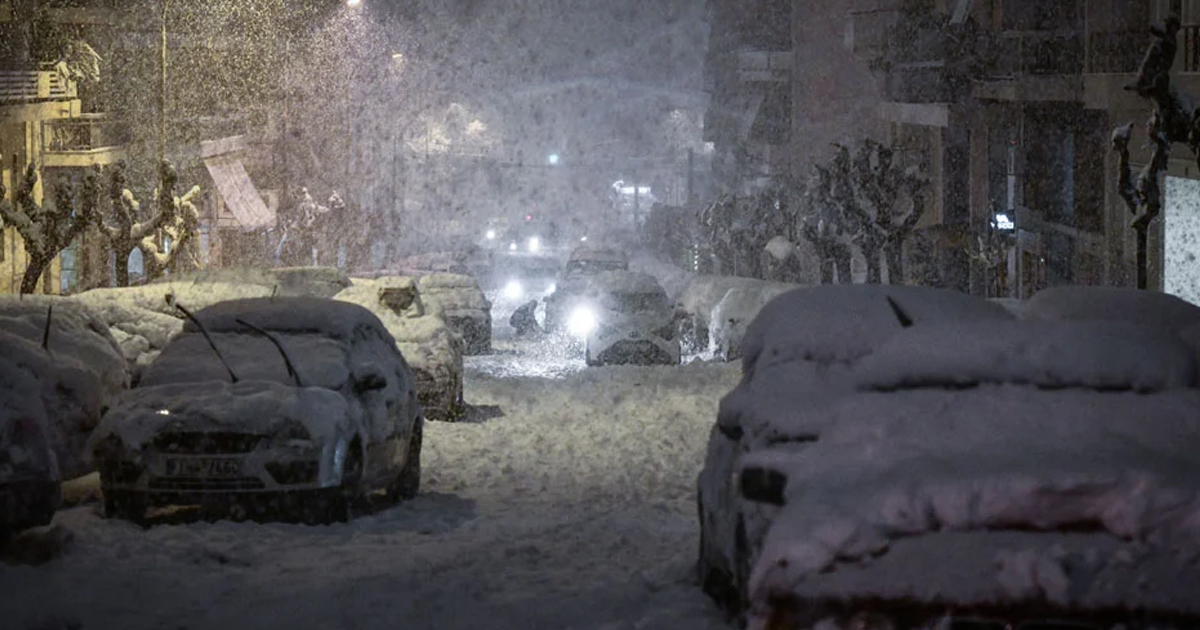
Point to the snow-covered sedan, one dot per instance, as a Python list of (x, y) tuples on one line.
[(991, 475), (798, 356), (627, 319), (291, 406)]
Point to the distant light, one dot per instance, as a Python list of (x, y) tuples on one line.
[(513, 290), (529, 217), (164, 412), (1004, 222), (491, 234), (553, 158), (583, 240), (353, 3), (535, 244), (512, 247)]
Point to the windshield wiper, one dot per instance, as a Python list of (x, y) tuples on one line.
[(207, 337), (291, 367), (46, 332)]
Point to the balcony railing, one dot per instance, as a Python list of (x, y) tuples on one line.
[(1116, 53), (87, 140), (29, 85), (1022, 53), (1190, 48)]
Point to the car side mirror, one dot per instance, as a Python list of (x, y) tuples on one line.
[(369, 377), (763, 485)]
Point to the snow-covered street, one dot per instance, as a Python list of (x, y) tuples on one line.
[(564, 502)]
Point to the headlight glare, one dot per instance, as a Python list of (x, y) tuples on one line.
[(582, 322)]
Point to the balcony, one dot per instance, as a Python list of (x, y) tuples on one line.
[(83, 141), (19, 86)]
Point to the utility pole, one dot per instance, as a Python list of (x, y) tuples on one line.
[(162, 88)]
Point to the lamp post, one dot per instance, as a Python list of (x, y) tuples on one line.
[(162, 87)]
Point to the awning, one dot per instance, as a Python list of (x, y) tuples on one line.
[(240, 195)]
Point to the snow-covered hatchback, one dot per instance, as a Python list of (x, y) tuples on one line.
[(293, 407)]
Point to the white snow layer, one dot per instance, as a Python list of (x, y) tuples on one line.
[(896, 465), (1075, 303), (564, 504)]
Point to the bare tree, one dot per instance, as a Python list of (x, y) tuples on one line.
[(1173, 121), (125, 232), (161, 250), (883, 199), (47, 231), (823, 224)]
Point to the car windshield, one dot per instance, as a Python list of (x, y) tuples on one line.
[(641, 302), (321, 361)]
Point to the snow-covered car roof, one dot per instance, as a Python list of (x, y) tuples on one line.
[(599, 253), (891, 466), (841, 323), (1075, 303), (626, 282), (331, 318)]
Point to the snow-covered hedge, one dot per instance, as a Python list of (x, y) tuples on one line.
[(322, 282), (735, 311)]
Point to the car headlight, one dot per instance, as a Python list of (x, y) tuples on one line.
[(535, 244), (513, 290), (582, 322)]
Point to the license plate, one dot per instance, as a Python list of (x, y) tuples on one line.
[(204, 467)]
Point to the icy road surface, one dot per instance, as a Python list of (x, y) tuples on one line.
[(564, 503)]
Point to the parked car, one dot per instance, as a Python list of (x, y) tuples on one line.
[(627, 319), (30, 490), (464, 307), (984, 474), (798, 356), (434, 351), (292, 406), (584, 263)]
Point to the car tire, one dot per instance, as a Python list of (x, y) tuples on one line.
[(588, 359), (408, 482), (125, 505)]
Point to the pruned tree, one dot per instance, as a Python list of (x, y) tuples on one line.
[(991, 252), (823, 224), (1173, 120), (125, 231), (883, 199), (161, 249), (46, 231)]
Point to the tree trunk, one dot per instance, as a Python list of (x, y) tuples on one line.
[(827, 262), (871, 253), (842, 260), (895, 263), (33, 273), (1142, 270), (121, 254)]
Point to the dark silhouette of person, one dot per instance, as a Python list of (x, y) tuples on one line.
[(524, 319)]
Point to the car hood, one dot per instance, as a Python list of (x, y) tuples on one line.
[(643, 320), (261, 407)]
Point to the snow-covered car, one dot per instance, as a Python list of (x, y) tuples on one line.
[(626, 318), (514, 280), (85, 373), (990, 474), (464, 307), (286, 406), (798, 356), (735, 311), (434, 351), (30, 479), (583, 264)]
